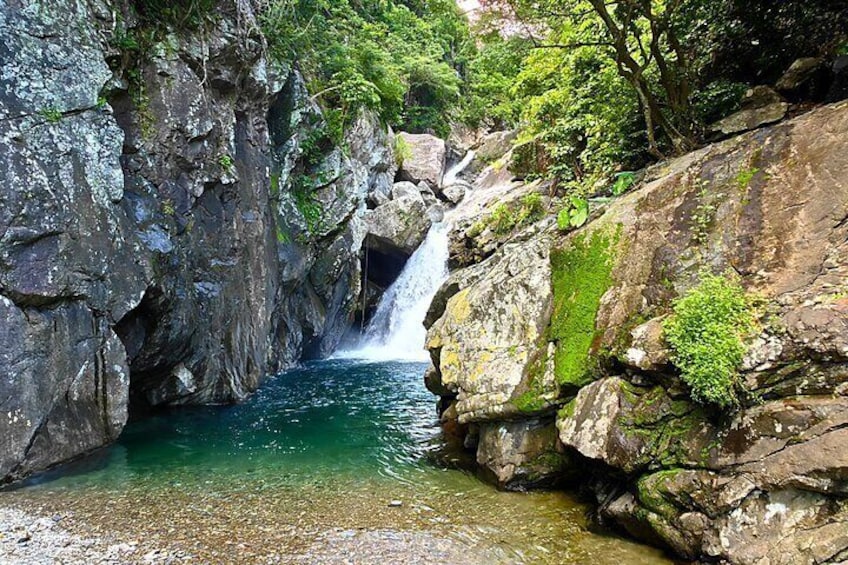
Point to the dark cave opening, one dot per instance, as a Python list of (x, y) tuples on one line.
[(381, 266)]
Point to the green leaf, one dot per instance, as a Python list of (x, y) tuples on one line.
[(579, 212), (623, 182)]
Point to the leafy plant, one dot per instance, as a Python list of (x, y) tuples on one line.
[(704, 214), (402, 150), (502, 219), (531, 209), (574, 215), (306, 203), (226, 162), (706, 333), (52, 115), (745, 176), (623, 182)]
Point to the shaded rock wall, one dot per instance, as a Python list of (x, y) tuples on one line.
[(154, 247), (763, 483)]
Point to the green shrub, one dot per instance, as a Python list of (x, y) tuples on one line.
[(402, 150), (226, 162), (574, 215), (532, 209), (502, 219), (706, 334)]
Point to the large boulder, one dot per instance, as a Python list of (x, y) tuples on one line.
[(423, 158), (521, 454), (398, 226), (488, 343), (495, 145)]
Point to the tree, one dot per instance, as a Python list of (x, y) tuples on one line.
[(642, 39)]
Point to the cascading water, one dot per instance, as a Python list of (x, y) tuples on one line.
[(396, 331), (451, 176)]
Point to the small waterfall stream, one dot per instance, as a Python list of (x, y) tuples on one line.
[(396, 330)]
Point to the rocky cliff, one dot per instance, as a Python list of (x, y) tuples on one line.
[(551, 362), (174, 223)]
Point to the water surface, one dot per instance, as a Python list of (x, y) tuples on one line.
[(306, 471)]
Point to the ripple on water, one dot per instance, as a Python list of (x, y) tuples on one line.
[(305, 470)]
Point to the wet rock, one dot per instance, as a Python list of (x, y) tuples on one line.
[(455, 192), (522, 454)]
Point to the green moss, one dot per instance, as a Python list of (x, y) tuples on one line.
[(567, 411), (665, 427), (533, 399), (52, 115), (275, 185), (302, 189), (706, 334), (650, 490), (581, 275)]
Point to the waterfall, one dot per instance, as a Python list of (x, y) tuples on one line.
[(450, 176), (396, 331)]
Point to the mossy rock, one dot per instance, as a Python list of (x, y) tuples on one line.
[(581, 273)]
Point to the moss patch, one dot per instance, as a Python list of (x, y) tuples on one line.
[(670, 431), (533, 399), (651, 490), (581, 275)]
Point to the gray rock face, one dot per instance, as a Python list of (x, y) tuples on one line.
[(424, 159), (761, 106), (158, 241)]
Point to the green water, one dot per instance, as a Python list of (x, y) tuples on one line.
[(319, 449), (331, 420)]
